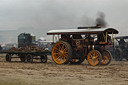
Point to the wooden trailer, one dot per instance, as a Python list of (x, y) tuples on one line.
[(26, 54)]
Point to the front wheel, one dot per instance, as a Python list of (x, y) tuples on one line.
[(61, 52), (94, 57)]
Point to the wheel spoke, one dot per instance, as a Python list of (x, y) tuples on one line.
[(65, 50), (65, 55), (56, 53), (62, 48), (56, 49), (90, 57)]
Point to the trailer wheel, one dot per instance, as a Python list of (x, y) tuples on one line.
[(43, 58), (106, 57), (22, 58), (29, 58), (8, 57), (94, 57), (61, 52)]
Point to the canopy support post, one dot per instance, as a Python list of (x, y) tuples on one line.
[(106, 36), (53, 38), (112, 38)]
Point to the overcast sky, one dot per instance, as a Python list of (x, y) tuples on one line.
[(44, 15)]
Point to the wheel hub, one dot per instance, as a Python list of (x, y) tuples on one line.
[(61, 52), (94, 57)]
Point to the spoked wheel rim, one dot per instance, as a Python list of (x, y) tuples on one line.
[(43, 58), (94, 57), (106, 57), (61, 53)]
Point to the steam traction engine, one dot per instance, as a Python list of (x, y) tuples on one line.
[(75, 45)]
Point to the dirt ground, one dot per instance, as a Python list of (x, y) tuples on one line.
[(17, 73)]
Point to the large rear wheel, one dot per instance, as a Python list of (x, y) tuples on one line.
[(61, 52), (94, 57), (106, 57)]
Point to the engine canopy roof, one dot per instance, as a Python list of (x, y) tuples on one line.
[(83, 31)]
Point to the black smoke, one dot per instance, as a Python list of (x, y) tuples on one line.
[(100, 20)]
